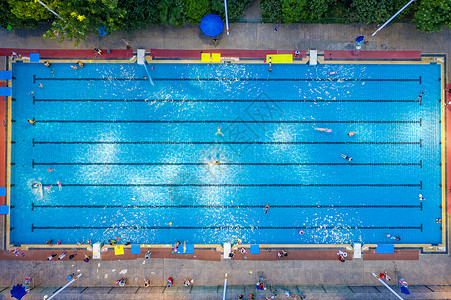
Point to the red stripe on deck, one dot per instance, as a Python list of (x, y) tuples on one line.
[(168, 53), (66, 53), (402, 55), (448, 145), (2, 145)]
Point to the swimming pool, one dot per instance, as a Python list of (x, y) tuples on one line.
[(138, 159)]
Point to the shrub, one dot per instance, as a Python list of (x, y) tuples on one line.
[(195, 10), (271, 10)]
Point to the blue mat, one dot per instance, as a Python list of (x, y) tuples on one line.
[(5, 91), (34, 57), (189, 249), (255, 249), (4, 209), (2, 191), (390, 248), (136, 249), (5, 75)]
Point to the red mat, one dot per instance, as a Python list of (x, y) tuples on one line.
[(68, 53), (400, 55), (168, 53)]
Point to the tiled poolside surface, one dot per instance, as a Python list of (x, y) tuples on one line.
[(430, 269)]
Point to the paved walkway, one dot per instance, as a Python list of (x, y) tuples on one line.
[(429, 269)]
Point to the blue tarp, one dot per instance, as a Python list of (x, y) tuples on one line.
[(189, 249), (389, 248), (5, 91), (34, 57), (255, 249), (5, 75), (405, 290), (102, 30), (4, 209), (18, 291), (136, 249)]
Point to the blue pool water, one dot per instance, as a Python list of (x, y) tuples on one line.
[(137, 161)]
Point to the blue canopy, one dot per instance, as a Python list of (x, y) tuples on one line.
[(18, 291), (211, 25)]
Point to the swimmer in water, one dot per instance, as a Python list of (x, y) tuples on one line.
[(333, 73), (80, 64), (40, 190), (217, 162), (346, 157), (351, 133), (266, 208), (219, 131), (32, 121), (324, 129), (59, 185), (41, 85), (47, 188), (50, 170), (420, 96), (74, 67)]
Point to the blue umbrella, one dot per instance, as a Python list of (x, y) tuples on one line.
[(18, 291), (212, 25)]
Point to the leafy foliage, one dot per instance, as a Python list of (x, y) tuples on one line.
[(80, 17), (140, 13), (29, 9), (271, 10), (372, 11), (235, 8), (7, 17), (295, 11), (195, 10), (432, 15), (172, 12)]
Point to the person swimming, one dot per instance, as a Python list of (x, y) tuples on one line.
[(324, 129), (219, 131), (346, 157)]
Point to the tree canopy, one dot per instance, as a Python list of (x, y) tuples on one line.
[(77, 18)]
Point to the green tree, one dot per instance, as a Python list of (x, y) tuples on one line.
[(7, 17), (195, 10), (172, 12), (140, 13), (295, 11), (271, 10), (78, 17), (372, 11), (235, 8), (432, 15), (30, 9)]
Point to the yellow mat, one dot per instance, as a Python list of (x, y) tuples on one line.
[(205, 57), (118, 250), (216, 57), (280, 58)]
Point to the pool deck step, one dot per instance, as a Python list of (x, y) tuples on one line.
[(304, 254), (400, 254), (41, 255), (68, 53), (369, 55)]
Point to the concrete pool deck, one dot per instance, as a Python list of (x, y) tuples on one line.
[(429, 269)]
